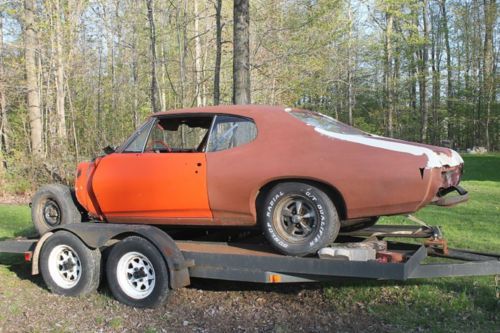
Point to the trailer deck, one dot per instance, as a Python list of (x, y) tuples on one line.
[(244, 262), (253, 260)]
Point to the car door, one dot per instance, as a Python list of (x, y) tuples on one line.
[(233, 161), (159, 177)]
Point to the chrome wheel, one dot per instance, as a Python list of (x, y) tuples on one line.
[(65, 267), (297, 218), (136, 275)]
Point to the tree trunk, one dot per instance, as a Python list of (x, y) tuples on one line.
[(350, 93), (60, 91), (152, 45), (99, 137), (436, 81), (135, 77), (32, 79), (488, 66), (424, 56), (449, 73), (73, 123), (182, 42), (388, 73), (205, 52), (4, 144), (218, 51), (478, 88), (241, 52), (412, 75), (395, 100), (197, 54)]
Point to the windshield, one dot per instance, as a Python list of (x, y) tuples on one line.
[(326, 123)]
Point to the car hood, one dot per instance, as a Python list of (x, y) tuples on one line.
[(437, 157)]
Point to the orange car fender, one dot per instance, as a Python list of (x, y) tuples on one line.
[(84, 190)]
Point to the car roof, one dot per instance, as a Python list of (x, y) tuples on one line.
[(239, 110)]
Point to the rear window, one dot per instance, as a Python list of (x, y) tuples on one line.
[(318, 120), (230, 132)]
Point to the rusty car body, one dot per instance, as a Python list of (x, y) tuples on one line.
[(230, 166)]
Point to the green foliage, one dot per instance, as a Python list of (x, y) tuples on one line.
[(25, 174), (303, 53)]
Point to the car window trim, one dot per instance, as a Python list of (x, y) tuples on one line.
[(156, 121), (214, 119), (234, 116), (135, 135)]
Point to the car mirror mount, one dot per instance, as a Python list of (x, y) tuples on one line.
[(109, 150)]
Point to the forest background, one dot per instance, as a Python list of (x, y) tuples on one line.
[(77, 75)]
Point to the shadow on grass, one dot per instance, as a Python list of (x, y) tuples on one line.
[(419, 293), (290, 288), (23, 270), (16, 264)]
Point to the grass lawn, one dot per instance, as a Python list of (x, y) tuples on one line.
[(435, 305), (444, 304)]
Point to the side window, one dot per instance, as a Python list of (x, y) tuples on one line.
[(179, 134), (231, 131), (138, 140)]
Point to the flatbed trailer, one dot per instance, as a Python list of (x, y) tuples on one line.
[(248, 259)]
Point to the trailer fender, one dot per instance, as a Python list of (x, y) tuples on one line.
[(35, 269), (97, 235)]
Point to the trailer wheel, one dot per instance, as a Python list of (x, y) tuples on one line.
[(68, 266), (299, 219), (53, 205), (137, 273)]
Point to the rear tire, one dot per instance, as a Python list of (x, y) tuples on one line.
[(68, 266), (53, 205), (299, 219), (137, 273)]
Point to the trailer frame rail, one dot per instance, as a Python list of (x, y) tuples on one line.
[(254, 261)]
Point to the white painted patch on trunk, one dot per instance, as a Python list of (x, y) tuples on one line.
[(434, 160)]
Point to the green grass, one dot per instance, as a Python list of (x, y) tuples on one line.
[(443, 304), (116, 323), (434, 305), (476, 223), (15, 221)]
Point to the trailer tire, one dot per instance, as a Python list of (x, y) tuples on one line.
[(68, 266), (299, 219), (54, 205), (137, 274)]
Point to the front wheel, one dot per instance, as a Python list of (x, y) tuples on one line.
[(299, 219)]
